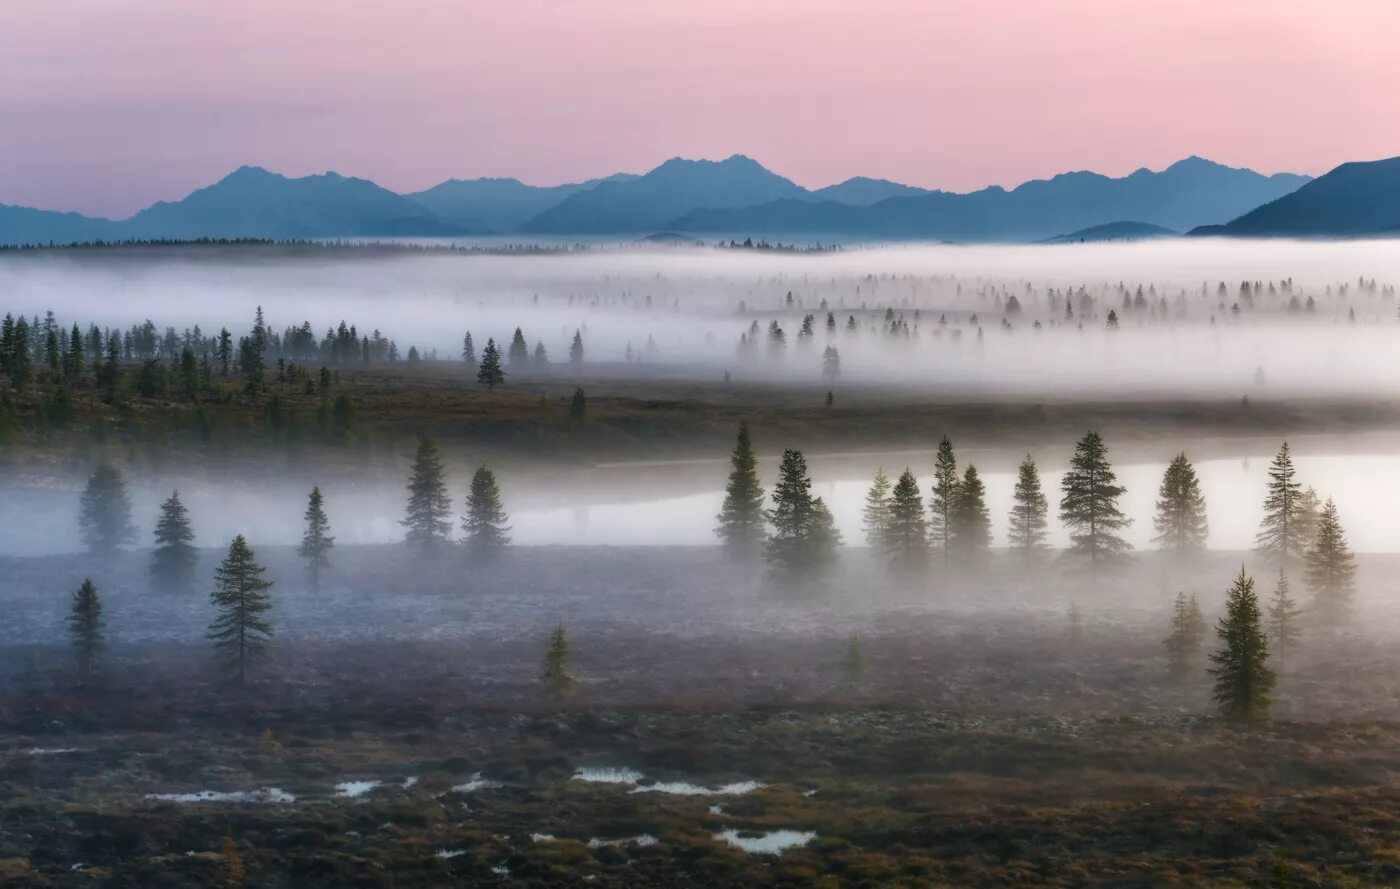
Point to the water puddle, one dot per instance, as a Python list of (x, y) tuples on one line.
[(773, 842), (265, 795), (635, 778), (355, 789), (643, 839)]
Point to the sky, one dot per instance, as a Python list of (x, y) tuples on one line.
[(109, 105)]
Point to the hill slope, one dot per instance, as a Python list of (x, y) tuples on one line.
[(497, 205), (1355, 199)]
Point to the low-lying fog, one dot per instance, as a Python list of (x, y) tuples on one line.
[(1321, 320), (677, 503)]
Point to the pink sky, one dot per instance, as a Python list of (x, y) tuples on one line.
[(107, 105)]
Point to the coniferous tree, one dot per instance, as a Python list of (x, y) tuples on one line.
[(1181, 510), (173, 559), (1331, 569), (853, 664), (85, 627), (906, 531), (469, 351), (1280, 537), (578, 405), (1309, 511), (804, 537), (105, 520), (576, 350), (1186, 639), (1029, 509), (972, 526), (519, 354), (241, 630), (489, 373), (741, 519), (485, 521), (559, 683), (1243, 679), (316, 541), (944, 499), (1284, 615), (876, 513), (1089, 506), (428, 521)]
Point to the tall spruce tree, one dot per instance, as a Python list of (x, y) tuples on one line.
[(316, 540), (519, 355), (1029, 508), (489, 372), (1089, 506), (173, 559), (972, 525), (559, 684), (741, 520), (1243, 679), (85, 628), (804, 537), (1280, 538), (105, 518), (1284, 617), (944, 498), (469, 352), (241, 631), (876, 513), (485, 522), (576, 351), (1181, 510), (1331, 569), (1310, 510), (1186, 639), (429, 518), (905, 539)]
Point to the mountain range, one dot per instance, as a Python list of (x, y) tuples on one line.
[(738, 197)]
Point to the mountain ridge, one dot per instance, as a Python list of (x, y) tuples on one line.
[(735, 195)]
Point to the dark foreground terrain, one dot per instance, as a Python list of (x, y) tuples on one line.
[(399, 738)]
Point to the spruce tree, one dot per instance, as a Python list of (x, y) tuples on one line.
[(485, 521), (741, 519), (1331, 569), (1243, 679), (241, 631), (876, 513), (945, 493), (1029, 509), (906, 532), (1284, 615), (559, 684), (173, 559), (576, 351), (519, 355), (489, 373), (804, 536), (105, 518), (1310, 510), (1181, 510), (1186, 638), (429, 519), (85, 628), (972, 526), (578, 405), (316, 541), (1280, 538), (469, 351), (1089, 506)]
